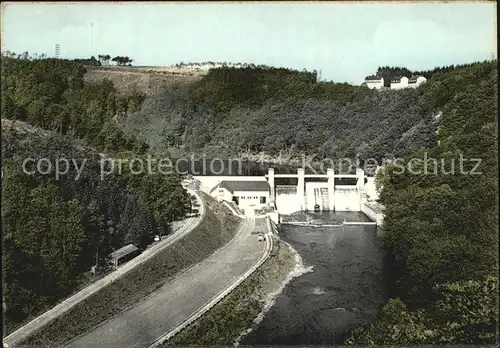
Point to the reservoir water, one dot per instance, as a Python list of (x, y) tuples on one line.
[(345, 288)]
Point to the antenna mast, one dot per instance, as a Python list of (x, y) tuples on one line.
[(91, 38)]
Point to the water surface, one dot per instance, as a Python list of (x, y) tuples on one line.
[(345, 288)]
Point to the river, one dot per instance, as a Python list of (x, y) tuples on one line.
[(345, 288)]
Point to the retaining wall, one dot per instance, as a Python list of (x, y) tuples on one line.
[(233, 210), (374, 214)]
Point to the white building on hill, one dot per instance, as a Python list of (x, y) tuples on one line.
[(399, 82), (245, 194), (374, 82), (415, 81)]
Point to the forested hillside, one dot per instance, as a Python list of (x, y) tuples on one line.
[(51, 94), (442, 229), (53, 229), (232, 110)]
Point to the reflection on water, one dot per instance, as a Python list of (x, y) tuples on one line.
[(318, 290), (345, 288)]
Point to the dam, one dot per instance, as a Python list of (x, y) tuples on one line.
[(290, 193), (317, 192)]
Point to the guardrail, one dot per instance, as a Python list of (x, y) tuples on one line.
[(359, 223), (216, 299), (271, 225)]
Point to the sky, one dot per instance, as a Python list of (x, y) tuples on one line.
[(344, 41)]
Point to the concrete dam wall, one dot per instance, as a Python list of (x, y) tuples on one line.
[(287, 201), (317, 195), (347, 199)]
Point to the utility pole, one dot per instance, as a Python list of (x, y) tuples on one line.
[(91, 38)]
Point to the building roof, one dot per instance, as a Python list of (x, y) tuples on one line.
[(396, 78), (232, 186), (127, 249), (413, 79), (373, 78)]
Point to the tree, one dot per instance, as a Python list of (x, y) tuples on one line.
[(111, 137), (165, 196), (466, 313), (137, 222), (8, 107), (388, 73), (44, 231), (104, 59), (121, 60)]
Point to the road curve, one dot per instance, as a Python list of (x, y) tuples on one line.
[(23, 332), (176, 301)]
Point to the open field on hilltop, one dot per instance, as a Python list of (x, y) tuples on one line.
[(141, 79), (183, 71)]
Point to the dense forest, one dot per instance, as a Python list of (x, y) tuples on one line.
[(442, 230), (54, 231), (234, 110)]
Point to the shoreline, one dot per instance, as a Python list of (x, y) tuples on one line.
[(270, 298), (235, 316)]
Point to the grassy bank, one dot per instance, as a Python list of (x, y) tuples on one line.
[(223, 324), (216, 229)]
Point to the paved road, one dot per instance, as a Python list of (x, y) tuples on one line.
[(168, 307), (26, 330)]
